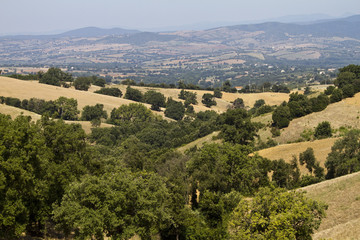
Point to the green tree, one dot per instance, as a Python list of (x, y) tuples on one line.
[(307, 90), (308, 158), (344, 78), (237, 127), (119, 204), (82, 83), (110, 91), (134, 112), (55, 76), (218, 93), (208, 100), (281, 116), (154, 98), (329, 90), (276, 214), (189, 97), (348, 90), (174, 110), (66, 108), (259, 103), (90, 113), (238, 103), (323, 130), (97, 81), (336, 96), (133, 94), (226, 167), (37, 162), (344, 157)]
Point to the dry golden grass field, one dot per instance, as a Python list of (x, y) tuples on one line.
[(10, 87), (286, 151), (345, 113), (343, 215), (14, 112), (223, 103)]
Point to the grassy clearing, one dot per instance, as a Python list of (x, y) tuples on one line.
[(343, 215), (199, 142), (286, 151)]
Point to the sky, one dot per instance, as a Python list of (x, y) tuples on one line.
[(50, 16)]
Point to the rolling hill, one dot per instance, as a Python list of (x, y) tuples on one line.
[(342, 195), (341, 114), (329, 41)]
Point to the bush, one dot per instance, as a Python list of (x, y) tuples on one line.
[(323, 130), (336, 96), (208, 100), (329, 90), (115, 92), (174, 110), (217, 93), (281, 116), (56, 77), (82, 83), (15, 102), (133, 94), (90, 113), (156, 99)]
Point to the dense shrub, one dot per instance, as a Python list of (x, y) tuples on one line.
[(115, 92)]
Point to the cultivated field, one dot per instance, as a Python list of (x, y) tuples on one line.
[(343, 215), (286, 151)]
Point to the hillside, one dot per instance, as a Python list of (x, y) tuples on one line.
[(341, 114), (223, 103), (343, 215), (10, 87), (286, 151), (14, 112)]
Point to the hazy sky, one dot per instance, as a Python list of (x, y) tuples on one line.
[(38, 16)]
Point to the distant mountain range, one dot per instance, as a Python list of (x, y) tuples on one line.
[(316, 25), (325, 41)]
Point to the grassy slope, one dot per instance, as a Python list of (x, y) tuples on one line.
[(10, 87), (344, 113), (286, 151), (14, 112), (199, 142), (343, 215), (224, 102)]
